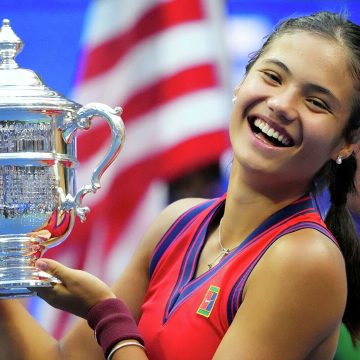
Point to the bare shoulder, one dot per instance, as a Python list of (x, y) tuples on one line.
[(176, 209), (308, 252), (163, 222), (312, 262), (165, 219), (314, 245)]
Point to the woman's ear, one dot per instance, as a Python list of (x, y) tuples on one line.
[(352, 145), (345, 152)]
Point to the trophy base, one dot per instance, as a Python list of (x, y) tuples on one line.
[(19, 288), (18, 275)]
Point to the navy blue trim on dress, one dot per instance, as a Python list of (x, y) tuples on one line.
[(179, 226)]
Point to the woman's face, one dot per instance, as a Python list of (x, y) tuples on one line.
[(292, 107)]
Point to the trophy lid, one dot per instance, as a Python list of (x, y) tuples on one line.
[(23, 88)]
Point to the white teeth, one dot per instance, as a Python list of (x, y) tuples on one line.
[(269, 131)]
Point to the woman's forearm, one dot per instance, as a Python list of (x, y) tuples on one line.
[(21, 337)]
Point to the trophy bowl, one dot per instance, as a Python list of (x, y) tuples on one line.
[(38, 197)]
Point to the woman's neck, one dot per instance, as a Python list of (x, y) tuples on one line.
[(249, 203)]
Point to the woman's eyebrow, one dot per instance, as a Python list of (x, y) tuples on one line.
[(310, 87), (278, 63)]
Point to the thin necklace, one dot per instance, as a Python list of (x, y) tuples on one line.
[(223, 252)]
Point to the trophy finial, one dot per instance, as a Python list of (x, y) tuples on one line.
[(10, 46)]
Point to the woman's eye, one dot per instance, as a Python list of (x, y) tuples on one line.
[(272, 76), (319, 104)]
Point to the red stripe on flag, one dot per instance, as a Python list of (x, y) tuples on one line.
[(149, 98), (157, 19), (167, 89)]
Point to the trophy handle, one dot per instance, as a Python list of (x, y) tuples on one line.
[(82, 120)]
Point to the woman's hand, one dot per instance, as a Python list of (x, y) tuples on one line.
[(77, 292)]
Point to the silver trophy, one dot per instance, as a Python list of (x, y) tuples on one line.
[(38, 197)]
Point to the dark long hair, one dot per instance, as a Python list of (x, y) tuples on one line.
[(339, 179)]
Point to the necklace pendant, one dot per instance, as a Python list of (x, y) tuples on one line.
[(225, 252)]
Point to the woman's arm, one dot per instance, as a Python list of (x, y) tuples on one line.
[(86, 296), (22, 338)]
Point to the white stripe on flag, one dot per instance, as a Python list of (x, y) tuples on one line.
[(176, 121), (109, 18)]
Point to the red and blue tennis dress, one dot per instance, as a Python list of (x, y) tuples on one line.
[(185, 318)]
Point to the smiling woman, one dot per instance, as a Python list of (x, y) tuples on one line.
[(304, 104), (198, 290)]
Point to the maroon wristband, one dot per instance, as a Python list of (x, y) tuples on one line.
[(112, 322)]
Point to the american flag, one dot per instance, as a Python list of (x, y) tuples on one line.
[(163, 63)]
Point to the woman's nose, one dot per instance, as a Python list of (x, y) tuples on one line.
[(284, 105)]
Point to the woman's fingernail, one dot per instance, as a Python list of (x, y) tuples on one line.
[(41, 265)]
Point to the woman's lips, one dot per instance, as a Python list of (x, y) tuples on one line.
[(270, 132)]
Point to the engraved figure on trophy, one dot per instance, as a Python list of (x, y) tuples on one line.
[(38, 197)]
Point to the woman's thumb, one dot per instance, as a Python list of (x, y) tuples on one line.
[(52, 267)]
